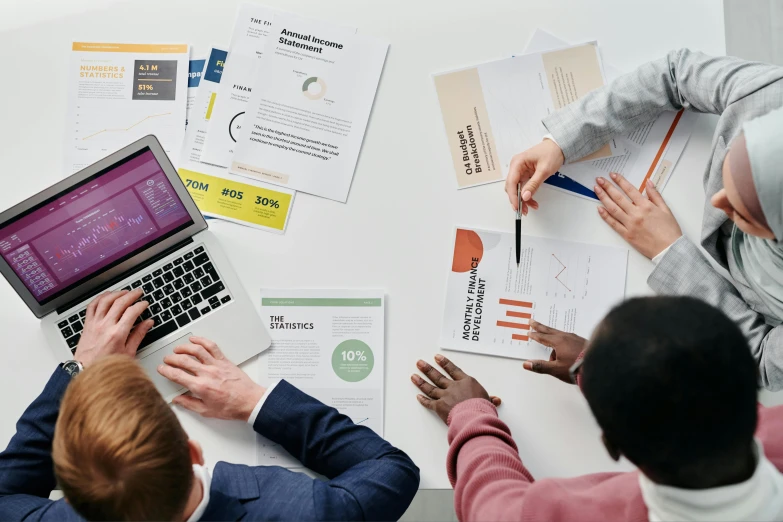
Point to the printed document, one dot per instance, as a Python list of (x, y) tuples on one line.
[(494, 110), (204, 101), (330, 345), (228, 109), (490, 302), (219, 194), (119, 93), (310, 103), (651, 151), (195, 68)]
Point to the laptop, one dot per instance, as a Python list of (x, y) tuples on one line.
[(128, 222)]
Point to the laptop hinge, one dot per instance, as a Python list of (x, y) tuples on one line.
[(141, 266)]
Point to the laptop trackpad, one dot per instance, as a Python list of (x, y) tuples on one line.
[(150, 362)]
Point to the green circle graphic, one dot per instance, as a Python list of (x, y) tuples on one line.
[(352, 360)]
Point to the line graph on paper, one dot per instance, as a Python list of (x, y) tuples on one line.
[(568, 276), (98, 132), (125, 129), (563, 269)]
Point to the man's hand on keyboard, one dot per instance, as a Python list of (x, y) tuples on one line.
[(219, 387), (109, 326)]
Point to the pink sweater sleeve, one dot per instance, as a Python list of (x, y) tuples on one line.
[(483, 464), (769, 428)]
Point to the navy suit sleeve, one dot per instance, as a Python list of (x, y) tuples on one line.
[(26, 467), (368, 478)]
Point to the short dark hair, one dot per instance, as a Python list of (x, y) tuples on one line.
[(672, 384)]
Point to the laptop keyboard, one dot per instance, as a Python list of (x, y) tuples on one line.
[(179, 292)]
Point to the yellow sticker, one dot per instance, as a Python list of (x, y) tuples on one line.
[(236, 201), (210, 106)]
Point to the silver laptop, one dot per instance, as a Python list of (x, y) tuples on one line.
[(128, 222)]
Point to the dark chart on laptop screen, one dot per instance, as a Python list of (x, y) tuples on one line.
[(86, 229)]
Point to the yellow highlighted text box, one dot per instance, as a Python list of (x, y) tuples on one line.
[(237, 201)]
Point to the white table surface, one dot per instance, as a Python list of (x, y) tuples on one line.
[(395, 230)]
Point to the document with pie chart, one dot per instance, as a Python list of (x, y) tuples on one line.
[(490, 301), (120, 92), (309, 107), (330, 345)]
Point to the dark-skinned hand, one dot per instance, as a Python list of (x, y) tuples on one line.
[(566, 348), (447, 392)]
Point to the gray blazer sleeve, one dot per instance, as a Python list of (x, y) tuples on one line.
[(683, 79), (683, 270)]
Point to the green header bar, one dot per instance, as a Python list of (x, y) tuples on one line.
[(319, 301)]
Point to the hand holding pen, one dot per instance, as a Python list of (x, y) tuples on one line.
[(529, 169)]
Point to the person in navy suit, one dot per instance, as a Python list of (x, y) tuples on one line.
[(102, 432)]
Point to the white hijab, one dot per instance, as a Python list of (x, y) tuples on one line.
[(761, 260)]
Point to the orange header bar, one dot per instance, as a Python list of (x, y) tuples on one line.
[(661, 149), (129, 48)]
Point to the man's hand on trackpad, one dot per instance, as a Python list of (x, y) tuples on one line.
[(218, 387)]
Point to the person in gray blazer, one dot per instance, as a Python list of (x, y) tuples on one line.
[(742, 230)]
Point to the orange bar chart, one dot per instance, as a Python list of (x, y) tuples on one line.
[(519, 326), (514, 314)]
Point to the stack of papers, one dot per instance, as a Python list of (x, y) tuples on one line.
[(304, 129), (649, 152), (283, 109), (195, 70), (203, 102), (493, 111), (294, 101)]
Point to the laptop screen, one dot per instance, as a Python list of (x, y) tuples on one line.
[(91, 227)]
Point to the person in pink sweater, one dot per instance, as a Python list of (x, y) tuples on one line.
[(673, 386)]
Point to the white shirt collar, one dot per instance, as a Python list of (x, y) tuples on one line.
[(202, 474), (758, 498)]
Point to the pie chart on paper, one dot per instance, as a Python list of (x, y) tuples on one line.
[(314, 88)]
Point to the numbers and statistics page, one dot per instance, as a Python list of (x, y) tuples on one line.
[(119, 93), (330, 345)]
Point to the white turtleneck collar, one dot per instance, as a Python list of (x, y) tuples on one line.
[(759, 498)]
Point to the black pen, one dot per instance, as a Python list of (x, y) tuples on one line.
[(519, 221)]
